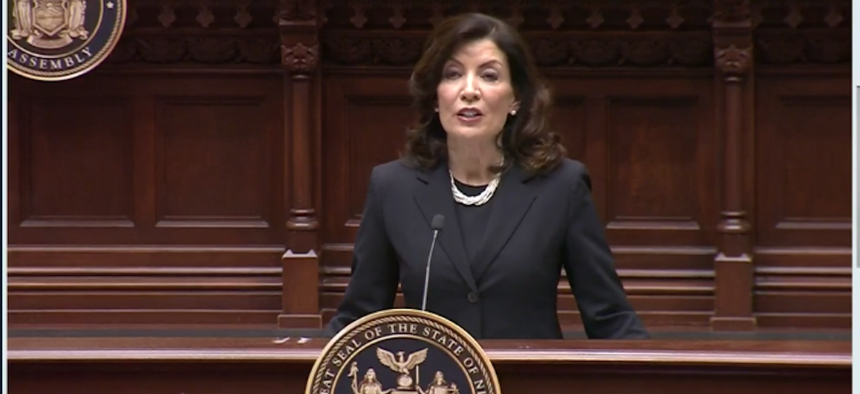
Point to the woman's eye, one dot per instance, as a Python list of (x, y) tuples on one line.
[(491, 77), (451, 74)]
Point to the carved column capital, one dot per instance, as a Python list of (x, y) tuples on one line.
[(732, 30), (733, 61), (299, 36), (299, 58)]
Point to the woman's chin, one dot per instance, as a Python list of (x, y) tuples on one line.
[(470, 134)]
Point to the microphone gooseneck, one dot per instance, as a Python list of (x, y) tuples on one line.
[(436, 224)]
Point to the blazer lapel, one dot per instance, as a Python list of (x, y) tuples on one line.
[(435, 198), (513, 199)]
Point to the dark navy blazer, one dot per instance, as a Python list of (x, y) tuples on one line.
[(538, 225)]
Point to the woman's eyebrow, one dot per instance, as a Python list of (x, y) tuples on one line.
[(484, 64)]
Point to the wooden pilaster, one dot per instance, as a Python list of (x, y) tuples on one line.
[(299, 26), (733, 54)]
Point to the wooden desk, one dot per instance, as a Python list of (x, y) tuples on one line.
[(261, 366)]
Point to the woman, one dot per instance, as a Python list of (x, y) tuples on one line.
[(516, 209)]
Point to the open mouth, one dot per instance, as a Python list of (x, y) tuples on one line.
[(469, 114)]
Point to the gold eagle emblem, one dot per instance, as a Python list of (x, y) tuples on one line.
[(400, 365)]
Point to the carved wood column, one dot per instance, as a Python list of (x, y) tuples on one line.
[(733, 54), (300, 57)]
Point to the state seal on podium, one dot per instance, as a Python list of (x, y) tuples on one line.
[(402, 351)]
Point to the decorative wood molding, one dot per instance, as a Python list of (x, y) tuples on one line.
[(572, 50), (293, 11), (528, 15), (253, 50), (619, 33), (801, 31), (731, 11), (785, 47), (799, 14), (222, 32), (704, 355)]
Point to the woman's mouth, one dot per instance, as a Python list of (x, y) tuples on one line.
[(469, 115)]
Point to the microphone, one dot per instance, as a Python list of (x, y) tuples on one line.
[(436, 224)]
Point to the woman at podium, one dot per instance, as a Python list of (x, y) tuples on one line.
[(517, 212)]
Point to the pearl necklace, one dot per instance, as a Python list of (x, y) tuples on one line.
[(480, 199)]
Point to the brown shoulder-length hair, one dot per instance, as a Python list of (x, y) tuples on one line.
[(525, 138)]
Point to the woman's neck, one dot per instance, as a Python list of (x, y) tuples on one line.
[(470, 161)]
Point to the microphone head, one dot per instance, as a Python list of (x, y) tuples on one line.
[(438, 222)]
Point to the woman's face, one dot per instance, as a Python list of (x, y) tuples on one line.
[(475, 94)]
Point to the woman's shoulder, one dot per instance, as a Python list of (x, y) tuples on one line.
[(570, 172), (393, 172), (572, 168), (391, 169)]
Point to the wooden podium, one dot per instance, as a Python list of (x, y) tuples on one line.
[(272, 366)]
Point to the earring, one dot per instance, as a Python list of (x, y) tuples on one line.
[(513, 112), (436, 109)]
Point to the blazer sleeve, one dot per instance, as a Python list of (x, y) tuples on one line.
[(375, 274), (602, 301)]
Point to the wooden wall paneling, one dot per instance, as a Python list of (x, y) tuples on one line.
[(189, 199), (300, 57), (134, 286), (367, 115), (803, 121), (153, 198), (803, 267), (648, 148), (801, 166), (240, 136), (732, 30)]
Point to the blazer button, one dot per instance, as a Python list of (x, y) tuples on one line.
[(473, 298)]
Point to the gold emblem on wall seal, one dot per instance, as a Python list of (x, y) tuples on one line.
[(403, 351), (56, 40)]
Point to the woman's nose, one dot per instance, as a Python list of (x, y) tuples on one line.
[(470, 90)]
